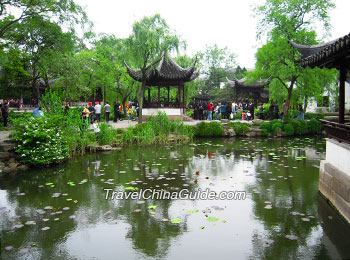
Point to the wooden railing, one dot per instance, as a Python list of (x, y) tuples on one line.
[(340, 132)]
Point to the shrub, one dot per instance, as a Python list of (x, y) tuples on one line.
[(160, 123), (190, 112), (240, 128), (314, 126), (266, 128), (209, 129), (303, 127), (276, 125), (107, 134), (296, 126), (238, 116), (41, 140), (288, 129), (313, 116)]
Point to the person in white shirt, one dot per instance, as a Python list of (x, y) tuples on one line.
[(107, 111), (96, 129), (98, 111)]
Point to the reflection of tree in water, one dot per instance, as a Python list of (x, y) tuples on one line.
[(286, 194), (148, 232)]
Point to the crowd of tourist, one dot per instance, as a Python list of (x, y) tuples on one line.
[(92, 113), (228, 110)]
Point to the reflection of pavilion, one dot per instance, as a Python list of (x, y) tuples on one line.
[(255, 90), (165, 74), (334, 181)]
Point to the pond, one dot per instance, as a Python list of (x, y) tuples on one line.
[(274, 211)]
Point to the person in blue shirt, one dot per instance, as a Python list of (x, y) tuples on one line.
[(37, 113)]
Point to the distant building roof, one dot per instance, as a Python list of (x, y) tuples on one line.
[(241, 85), (166, 73)]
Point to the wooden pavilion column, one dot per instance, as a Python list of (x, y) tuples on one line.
[(183, 98), (158, 96), (342, 79)]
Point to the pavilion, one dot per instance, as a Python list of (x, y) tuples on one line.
[(166, 73), (255, 90), (334, 180)]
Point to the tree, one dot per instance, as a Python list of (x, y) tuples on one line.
[(285, 21), (149, 39), (60, 11), (217, 63), (39, 44)]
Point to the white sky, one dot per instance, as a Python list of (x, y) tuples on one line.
[(224, 22)]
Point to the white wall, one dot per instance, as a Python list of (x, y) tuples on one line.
[(338, 154), (347, 97), (168, 111)]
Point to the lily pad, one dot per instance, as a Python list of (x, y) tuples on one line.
[(24, 250), (212, 219), (9, 248), (130, 188), (45, 228), (152, 207), (30, 222), (18, 226), (292, 237), (176, 220)]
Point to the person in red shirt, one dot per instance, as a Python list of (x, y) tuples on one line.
[(210, 111)]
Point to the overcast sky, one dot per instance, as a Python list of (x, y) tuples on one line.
[(224, 22)]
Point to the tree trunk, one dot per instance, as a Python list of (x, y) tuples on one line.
[(289, 96), (104, 94), (140, 96)]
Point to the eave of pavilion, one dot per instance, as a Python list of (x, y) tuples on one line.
[(334, 54), (166, 73)]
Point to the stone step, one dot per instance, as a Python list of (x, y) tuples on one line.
[(6, 147), (9, 141), (4, 155), (187, 118)]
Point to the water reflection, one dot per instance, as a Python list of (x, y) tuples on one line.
[(280, 177)]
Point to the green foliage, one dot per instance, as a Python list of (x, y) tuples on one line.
[(41, 140), (288, 129), (292, 127), (276, 125), (237, 116), (107, 134), (189, 112), (208, 129), (314, 126), (286, 21), (149, 39), (159, 129), (160, 124), (240, 128), (313, 116), (51, 138)]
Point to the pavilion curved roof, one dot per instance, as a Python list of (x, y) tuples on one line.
[(166, 73), (240, 84), (328, 55)]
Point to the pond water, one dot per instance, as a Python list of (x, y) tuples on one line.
[(61, 212)]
